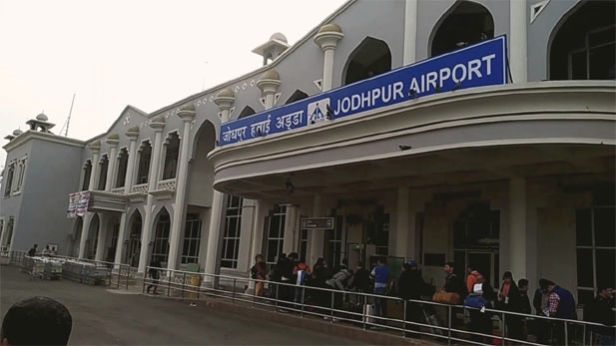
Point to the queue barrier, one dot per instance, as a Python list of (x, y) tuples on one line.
[(412, 318)]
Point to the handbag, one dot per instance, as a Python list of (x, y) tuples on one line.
[(450, 298)]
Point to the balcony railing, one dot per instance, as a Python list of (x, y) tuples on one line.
[(118, 190), (140, 188), (166, 185)]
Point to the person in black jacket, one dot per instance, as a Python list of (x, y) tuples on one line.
[(509, 299), (410, 285), (600, 311), (524, 300)]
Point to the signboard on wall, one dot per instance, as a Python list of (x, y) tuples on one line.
[(482, 64), (326, 223)]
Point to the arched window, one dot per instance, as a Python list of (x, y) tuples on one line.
[(247, 111), (372, 57), (296, 96), (8, 181), (87, 172), (102, 178), (145, 153), (122, 165), (172, 150), (160, 249), (583, 44), (464, 24), (133, 248)]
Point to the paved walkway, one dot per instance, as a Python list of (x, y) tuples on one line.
[(104, 318)]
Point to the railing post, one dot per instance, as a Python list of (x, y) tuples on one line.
[(566, 334), (365, 310), (584, 334), (144, 279), (449, 325), (503, 324), (404, 316), (183, 284), (233, 292), (303, 296), (168, 284), (331, 307), (277, 286)]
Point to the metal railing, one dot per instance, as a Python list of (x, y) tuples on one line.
[(411, 318), (83, 270)]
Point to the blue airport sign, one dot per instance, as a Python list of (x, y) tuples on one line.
[(482, 64)]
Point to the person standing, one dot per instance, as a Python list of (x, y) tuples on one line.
[(380, 274), (540, 303), (32, 251), (259, 273), (471, 279), (601, 311), (154, 273), (509, 300), (524, 299), (410, 284), (360, 281), (453, 284), (561, 304)]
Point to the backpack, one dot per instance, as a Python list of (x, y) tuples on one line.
[(253, 272)]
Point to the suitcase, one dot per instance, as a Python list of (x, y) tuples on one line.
[(368, 311)]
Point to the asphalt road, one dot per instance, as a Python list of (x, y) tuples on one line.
[(104, 318)]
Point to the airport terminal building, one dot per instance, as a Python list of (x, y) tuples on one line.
[(480, 132)]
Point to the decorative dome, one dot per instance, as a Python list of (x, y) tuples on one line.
[(42, 117), (226, 92), (271, 74), (17, 132), (188, 108), (331, 27), (279, 37)]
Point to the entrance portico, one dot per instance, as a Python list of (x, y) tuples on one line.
[(453, 177)]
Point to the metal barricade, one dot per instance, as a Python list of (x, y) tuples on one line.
[(412, 317)]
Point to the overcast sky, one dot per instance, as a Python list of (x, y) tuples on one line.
[(145, 53)]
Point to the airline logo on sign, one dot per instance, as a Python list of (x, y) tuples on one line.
[(317, 111), (482, 64)]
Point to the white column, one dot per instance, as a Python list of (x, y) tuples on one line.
[(85, 229), (517, 227), (101, 237), (95, 147), (289, 243), (327, 39), (132, 160), (157, 124), (261, 210), (518, 41), (402, 223), (316, 236), (112, 141), (213, 240), (410, 31), (187, 114), (120, 244), (244, 261)]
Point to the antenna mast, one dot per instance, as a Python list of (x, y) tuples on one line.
[(68, 120)]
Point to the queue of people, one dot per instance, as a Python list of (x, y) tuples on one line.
[(474, 292)]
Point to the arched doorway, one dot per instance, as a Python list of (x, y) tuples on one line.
[(296, 96), (246, 112), (133, 242), (476, 241), (372, 57), (464, 24), (160, 248), (201, 173), (92, 240), (583, 43), (76, 238)]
